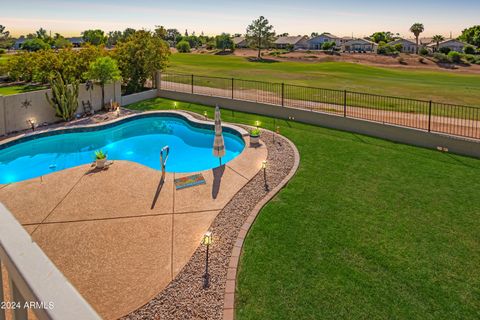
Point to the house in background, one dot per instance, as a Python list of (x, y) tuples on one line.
[(452, 44), (76, 42), (299, 42), (359, 45), (407, 45), (19, 43), (240, 42)]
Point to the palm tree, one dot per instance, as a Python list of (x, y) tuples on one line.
[(416, 29), (437, 39)]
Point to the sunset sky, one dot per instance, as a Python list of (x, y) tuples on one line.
[(342, 17)]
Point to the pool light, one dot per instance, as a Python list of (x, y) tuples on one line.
[(207, 241)]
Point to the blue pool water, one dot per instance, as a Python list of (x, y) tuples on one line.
[(138, 140)]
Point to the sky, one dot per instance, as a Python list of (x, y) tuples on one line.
[(298, 17)]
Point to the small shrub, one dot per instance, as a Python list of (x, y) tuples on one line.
[(328, 45), (398, 47), (99, 155), (440, 57), (255, 132), (386, 49), (469, 50), (2, 51), (423, 51), (454, 56), (183, 46), (445, 50), (470, 58)]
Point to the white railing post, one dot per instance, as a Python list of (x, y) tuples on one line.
[(2, 296), (35, 279), (19, 310)]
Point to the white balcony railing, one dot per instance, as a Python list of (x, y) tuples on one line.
[(35, 282)]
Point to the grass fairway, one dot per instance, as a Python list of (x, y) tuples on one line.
[(447, 87), (367, 229), (9, 90)]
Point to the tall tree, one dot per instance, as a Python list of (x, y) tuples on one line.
[(471, 36), (5, 40), (224, 42), (95, 37), (417, 29), (161, 32), (382, 36), (437, 39), (173, 35), (260, 34), (104, 70), (139, 57)]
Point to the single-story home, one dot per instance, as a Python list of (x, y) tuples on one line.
[(76, 41), (407, 45), (299, 42), (19, 43), (452, 44), (240, 42), (359, 45), (317, 42)]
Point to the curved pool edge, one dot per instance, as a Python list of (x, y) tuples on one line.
[(231, 128)]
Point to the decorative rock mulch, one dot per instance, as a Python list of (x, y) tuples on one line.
[(185, 297)]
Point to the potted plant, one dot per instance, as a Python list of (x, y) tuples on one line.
[(255, 136), (100, 159)]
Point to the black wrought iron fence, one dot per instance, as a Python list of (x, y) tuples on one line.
[(419, 114)]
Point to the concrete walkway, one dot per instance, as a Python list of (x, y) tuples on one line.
[(118, 235)]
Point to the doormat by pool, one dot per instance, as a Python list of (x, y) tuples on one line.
[(189, 181)]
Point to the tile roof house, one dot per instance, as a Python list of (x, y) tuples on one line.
[(240, 42), (317, 42), (407, 45), (452, 44), (359, 45), (298, 42)]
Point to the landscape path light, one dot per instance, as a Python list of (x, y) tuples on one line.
[(207, 241), (264, 167)]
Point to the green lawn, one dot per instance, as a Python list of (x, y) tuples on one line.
[(5, 91), (367, 229), (441, 86)]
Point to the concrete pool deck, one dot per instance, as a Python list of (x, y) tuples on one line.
[(116, 234)]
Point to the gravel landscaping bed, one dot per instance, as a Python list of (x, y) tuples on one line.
[(185, 297)]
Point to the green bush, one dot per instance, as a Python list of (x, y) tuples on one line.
[(469, 50), (2, 51), (445, 50), (183, 46), (423, 51), (398, 47), (386, 49), (328, 45), (470, 58), (441, 57), (454, 56)]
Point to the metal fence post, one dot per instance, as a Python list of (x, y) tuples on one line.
[(192, 83), (232, 87), (429, 115), (345, 103), (283, 94)]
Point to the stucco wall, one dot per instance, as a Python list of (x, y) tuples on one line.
[(132, 98), (15, 110), (375, 129)]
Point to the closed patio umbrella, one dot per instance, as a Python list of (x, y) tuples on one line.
[(218, 143)]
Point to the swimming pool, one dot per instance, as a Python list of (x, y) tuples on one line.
[(138, 139)]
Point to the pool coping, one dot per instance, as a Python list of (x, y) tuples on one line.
[(8, 142)]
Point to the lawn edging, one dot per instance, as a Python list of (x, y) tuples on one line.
[(231, 283)]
